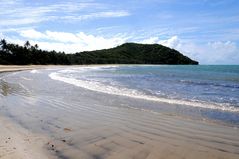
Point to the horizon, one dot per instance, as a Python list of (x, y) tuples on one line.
[(205, 31)]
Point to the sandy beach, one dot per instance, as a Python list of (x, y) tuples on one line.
[(14, 68), (48, 124)]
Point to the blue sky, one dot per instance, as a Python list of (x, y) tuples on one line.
[(205, 30)]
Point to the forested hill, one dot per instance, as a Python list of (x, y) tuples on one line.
[(128, 53), (133, 53)]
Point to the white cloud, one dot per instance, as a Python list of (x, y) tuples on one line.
[(112, 14), (15, 13), (217, 52), (69, 42), (22, 21), (173, 42), (151, 40), (223, 46), (96, 15), (1, 35), (223, 52), (4, 2), (61, 37), (31, 33)]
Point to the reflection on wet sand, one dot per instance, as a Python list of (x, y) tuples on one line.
[(6, 88)]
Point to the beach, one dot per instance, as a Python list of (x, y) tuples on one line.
[(45, 118)]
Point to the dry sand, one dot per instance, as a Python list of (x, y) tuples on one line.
[(11, 68), (7, 68), (98, 133)]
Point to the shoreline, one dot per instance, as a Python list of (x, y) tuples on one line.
[(115, 133), (13, 68)]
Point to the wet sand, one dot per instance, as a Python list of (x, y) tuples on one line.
[(49, 124), (15, 141), (19, 143)]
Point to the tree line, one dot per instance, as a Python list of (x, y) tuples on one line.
[(128, 53), (29, 54)]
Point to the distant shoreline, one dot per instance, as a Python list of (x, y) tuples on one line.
[(12, 68)]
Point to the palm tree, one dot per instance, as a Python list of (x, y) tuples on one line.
[(27, 44), (3, 44), (36, 46)]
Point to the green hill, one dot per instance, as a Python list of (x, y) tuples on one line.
[(132, 53), (128, 53)]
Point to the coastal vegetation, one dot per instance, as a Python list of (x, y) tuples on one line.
[(128, 53)]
